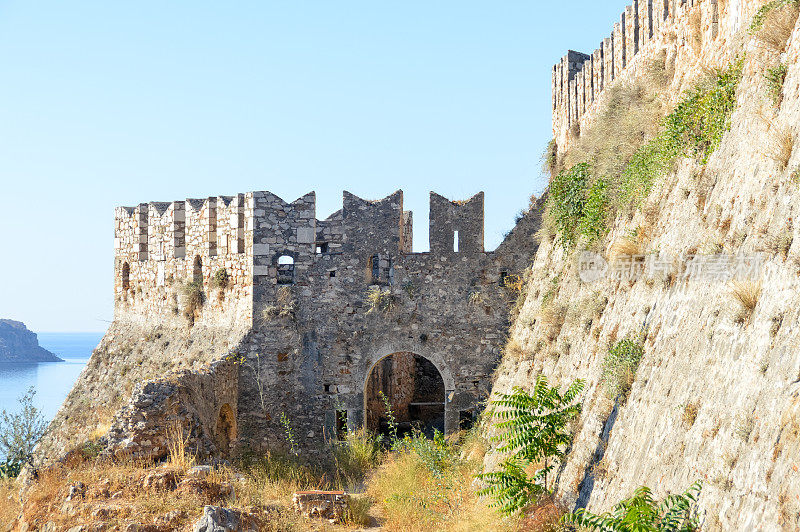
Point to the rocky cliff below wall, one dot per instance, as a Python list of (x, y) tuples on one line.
[(143, 375), (716, 396)]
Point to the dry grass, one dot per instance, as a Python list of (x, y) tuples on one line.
[(513, 350), (544, 516), (690, 414), (552, 319), (285, 305), (624, 248), (9, 508), (781, 243), (413, 499), (164, 498), (778, 27), (115, 494), (746, 295), (781, 146), (177, 450), (630, 115)]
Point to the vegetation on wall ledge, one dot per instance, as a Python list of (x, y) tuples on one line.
[(585, 197)]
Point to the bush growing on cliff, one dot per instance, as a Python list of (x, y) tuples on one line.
[(577, 205), (21, 431), (533, 431), (775, 78), (620, 365), (774, 22), (641, 513)]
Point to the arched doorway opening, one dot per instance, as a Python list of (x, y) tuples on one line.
[(414, 389)]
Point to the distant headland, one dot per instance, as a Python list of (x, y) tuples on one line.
[(18, 344)]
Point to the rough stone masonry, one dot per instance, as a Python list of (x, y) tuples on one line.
[(307, 309)]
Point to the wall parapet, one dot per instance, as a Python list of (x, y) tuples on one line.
[(579, 80)]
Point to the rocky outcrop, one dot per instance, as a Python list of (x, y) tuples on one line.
[(164, 372), (219, 519), (18, 344), (199, 406)]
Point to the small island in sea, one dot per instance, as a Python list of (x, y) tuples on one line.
[(18, 344)]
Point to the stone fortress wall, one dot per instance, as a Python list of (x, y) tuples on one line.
[(299, 288), (695, 34)]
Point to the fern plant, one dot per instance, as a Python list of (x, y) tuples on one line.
[(641, 513), (532, 430)]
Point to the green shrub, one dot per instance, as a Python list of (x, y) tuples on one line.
[(532, 430), (677, 513), (775, 78), (619, 367), (592, 225), (21, 431), (220, 279), (567, 200), (698, 123), (436, 455)]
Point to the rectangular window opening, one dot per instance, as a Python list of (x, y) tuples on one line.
[(455, 241)]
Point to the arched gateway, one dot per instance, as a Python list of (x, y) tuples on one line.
[(414, 390)]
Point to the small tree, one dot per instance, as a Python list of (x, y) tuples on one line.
[(533, 430), (641, 513), (21, 431)]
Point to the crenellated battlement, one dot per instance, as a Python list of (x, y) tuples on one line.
[(259, 224), (694, 31), (261, 241)]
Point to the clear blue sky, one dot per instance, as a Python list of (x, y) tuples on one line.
[(109, 103)]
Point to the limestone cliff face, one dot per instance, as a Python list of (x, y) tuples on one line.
[(715, 398), (18, 344)]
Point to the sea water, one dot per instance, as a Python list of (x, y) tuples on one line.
[(51, 380)]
